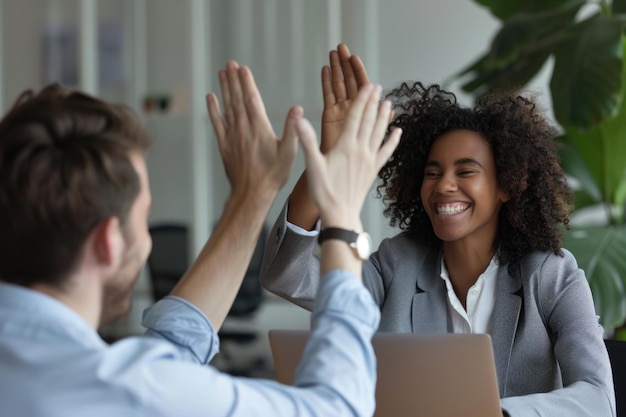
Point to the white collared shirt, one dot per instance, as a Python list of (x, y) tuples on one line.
[(480, 301)]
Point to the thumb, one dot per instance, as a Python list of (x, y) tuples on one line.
[(288, 146), (308, 139)]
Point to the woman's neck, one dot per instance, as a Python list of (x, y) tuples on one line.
[(465, 262)]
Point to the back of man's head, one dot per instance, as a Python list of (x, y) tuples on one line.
[(64, 167)]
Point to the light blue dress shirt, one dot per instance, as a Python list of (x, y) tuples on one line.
[(52, 363)]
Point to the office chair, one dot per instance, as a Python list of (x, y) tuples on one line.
[(169, 260), (617, 354)]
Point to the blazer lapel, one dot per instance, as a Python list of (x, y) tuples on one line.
[(429, 310), (506, 312)]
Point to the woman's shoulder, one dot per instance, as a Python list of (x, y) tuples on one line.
[(405, 240), (540, 259), (549, 266), (403, 254), (405, 246)]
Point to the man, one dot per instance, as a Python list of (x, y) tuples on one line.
[(74, 203)]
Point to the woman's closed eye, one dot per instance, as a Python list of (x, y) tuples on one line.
[(432, 174), (466, 172)]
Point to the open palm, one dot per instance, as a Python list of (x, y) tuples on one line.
[(341, 82)]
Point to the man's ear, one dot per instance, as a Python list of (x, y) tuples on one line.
[(108, 241)]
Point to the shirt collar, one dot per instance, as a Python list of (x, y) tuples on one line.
[(489, 272), (49, 316)]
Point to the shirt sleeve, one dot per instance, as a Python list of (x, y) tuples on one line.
[(337, 374), (181, 323)]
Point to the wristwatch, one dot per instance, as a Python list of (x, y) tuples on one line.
[(360, 242)]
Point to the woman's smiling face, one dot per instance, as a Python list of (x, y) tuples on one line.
[(460, 191)]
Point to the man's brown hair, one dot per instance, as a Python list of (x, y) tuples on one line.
[(64, 167)]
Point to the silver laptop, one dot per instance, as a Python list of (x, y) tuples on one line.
[(448, 375)]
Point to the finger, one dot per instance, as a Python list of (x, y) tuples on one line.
[(288, 146), (388, 148), (219, 126), (349, 79), (226, 99), (252, 100), (355, 114), (370, 115), (307, 136), (314, 160), (339, 88), (378, 132), (236, 93), (360, 74), (327, 88), (392, 112)]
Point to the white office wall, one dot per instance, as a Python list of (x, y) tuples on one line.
[(285, 42)]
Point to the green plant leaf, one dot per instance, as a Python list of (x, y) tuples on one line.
[(504, 9), (602, 150), (510, 78), (574, 165), (518, 51), (618, 7), (586, 83), (583, 159), (600, 253), (582, 199)]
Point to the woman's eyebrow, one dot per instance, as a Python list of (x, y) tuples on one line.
[(468, 161), (462, 161)]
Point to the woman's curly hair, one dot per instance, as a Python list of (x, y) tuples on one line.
[(525, 152)]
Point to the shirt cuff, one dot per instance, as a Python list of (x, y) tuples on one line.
[(183, 324), (299, 230), (342, 293)]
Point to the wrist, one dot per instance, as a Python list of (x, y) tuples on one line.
[(336, 254), (351, 221), (251, 198), (359, 242)]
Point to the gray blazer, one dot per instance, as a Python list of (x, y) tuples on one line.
[(548, 345)]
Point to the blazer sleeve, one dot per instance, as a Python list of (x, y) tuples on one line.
[(290, 266), (569, 314)]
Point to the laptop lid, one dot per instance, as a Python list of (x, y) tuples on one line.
[(445, 375)]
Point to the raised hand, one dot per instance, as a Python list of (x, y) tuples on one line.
[(341, 82), (257, 165), (340, 179), (255, 160)]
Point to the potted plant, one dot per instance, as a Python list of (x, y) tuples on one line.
[(585, 40)]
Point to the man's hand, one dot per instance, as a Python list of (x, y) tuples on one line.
[(255, 160), (257, 165), (340, 179), (341, 82)]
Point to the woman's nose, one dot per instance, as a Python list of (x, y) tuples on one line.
[(446, 183)]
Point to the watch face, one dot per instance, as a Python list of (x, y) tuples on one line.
[(363, 245)]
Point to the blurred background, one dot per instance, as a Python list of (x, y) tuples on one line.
[(161, 57)]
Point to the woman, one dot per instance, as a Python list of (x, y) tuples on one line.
[(479, 196)]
